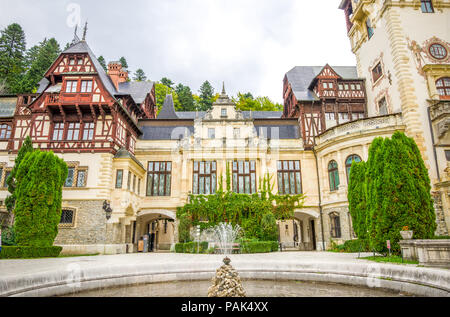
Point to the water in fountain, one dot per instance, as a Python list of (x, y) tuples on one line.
[(226, 282)]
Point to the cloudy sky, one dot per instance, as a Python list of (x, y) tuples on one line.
[(249, 44)]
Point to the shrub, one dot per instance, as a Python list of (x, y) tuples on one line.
[(8, 237), (40, 177), (353, 246), (259, 247), (192, 247), (21, 252), (179, 248), (441, 237)]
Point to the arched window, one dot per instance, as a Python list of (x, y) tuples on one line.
[(349, 162), (335, 225), (443, 86), (333, 174)]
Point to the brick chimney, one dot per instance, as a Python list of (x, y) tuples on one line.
[(114, 72), (123, 76)]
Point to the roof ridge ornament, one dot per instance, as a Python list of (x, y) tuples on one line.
[(223, 88), (76, 39), (85, 31)]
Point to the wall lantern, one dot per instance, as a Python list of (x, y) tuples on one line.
[(107, 209)]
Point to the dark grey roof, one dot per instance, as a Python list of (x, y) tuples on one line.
[(137, 89), (83, 47), (275, 131), (168, 110), (43, 84), (166, 133), (124, 153), (300, 77), (191, 115), (7, 106)]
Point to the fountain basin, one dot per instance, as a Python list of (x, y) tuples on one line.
[(68, 275)]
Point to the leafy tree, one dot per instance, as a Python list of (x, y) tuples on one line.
[(40, 178), (167, 82), (357, 198), (206, 96), (161, 91), (124, 63), (27, 147), (49, 50), (102, 62), (139, 75), (398, 192), (12, 56), (246, 102), (186, 99)]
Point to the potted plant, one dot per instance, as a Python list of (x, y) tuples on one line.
[(406, 233)]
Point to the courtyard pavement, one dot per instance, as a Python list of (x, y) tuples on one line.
[(10, 268)]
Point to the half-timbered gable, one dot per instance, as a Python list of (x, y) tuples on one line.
[(82, 108), (323, 97)]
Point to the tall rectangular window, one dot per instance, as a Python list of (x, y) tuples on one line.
[(88, 131), (129, 181), (159, 178), (134, 183), (5, 183), (71, 86), (244, 177), (73, 131), (58, 131), (382, 107), (205, 178), (289, 178), (427, 6), (211, 133), (81, 178), (369, 28), (86, 86), (70, 177), (119, 178)]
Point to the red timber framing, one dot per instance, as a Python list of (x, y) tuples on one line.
[(88, 117), (338, 101)]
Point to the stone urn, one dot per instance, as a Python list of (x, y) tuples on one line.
[(406, 235)]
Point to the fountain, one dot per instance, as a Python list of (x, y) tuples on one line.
[(226, 282)]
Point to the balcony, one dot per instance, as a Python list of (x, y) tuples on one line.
[(68, 98)]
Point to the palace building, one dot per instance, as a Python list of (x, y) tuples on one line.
[(131, 168)]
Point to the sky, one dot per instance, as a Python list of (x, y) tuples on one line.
[(248, 44)]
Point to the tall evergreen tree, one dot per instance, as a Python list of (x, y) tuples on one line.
[(167, 82), (26, 148), (401, 193), (206, 96), (124, 63), (40, 178), (185, 96), (357, 198), (139, 75), (102, 62), (49, 50), (12, 56)]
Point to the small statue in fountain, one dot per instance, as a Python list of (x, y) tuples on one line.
[(227, 282)]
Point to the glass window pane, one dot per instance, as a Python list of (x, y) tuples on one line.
[(235, 166), (247, 167), (70, 177), (149, 184), (161, 184), (202, 167), (213, 183), (207, 186), (150, 166), (155, 185), (162, 166), (280, 183), (168, 184), (195, 185), (291, 165), (202, 186), (169, 166), (292, 180), (299, 183), (285, 165), (247, 184), (196, 166), (156, 166), (235, 179), (279, 165), (208, 168), (297, 165), (252, 165), (241, 184), (81, 179), (253, 183), (213, 166), (286, 183), (241, 167)]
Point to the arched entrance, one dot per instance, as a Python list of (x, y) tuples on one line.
[(300, 233), (156, 230)]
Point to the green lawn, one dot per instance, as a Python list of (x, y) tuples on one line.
[(389, 259)]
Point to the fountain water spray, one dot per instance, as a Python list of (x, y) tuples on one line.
[(226, 282)]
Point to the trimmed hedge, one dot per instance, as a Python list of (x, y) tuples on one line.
[(191, 247), (21, 252), (353, 246), (259, 247)]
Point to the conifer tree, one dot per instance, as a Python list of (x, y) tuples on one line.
[(206, 96), (167, 82), (40, 178), (185, 96), (102, 62), (124, 63), (357, 198), (139, 75), (26, 148), (12, 56)]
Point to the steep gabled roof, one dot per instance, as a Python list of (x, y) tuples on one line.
[(83, 47), (301, 77), (138, 90), (168, 109), (7, 106)]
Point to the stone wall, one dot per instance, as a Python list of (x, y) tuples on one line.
[(89, 224)]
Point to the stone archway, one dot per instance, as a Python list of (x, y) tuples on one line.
[(156, 230), (307, 220)]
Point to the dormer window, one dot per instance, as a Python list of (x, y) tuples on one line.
[(369, 28), (224, 113)]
